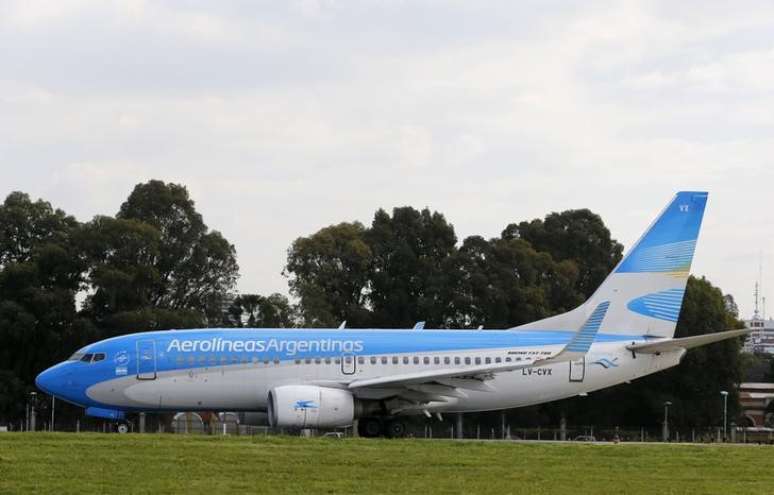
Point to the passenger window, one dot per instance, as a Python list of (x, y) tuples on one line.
[(498, 360), (416, 359), (395, 360), (488, 360), (276, 360), (337, 360), (244, 360), (179, 360), (202, 358), (213, 360), (298, 361), (235, 359), (308, 360), (508, 359), (384, 359), (426, 360), (360, 360), (255, 360), (478, 360), (348, 359), (191, 360), (436, 360), (467, 360), (405, 360), (317, 360), (223, 359), (447, 360), (327, 360), (373, 359), (456, 360)]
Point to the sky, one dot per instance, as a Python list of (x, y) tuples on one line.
[(285, 117)]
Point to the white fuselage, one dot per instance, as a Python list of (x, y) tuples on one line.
[(246, 385)]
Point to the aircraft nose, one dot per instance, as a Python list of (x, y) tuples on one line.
[(47, 380)]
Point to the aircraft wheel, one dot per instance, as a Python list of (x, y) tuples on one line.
[(396, 429), (369, 427), (122, 428)]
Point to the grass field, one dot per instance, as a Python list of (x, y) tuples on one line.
[(98, 463)]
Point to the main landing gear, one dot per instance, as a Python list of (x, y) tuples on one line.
[(378, 427), (122, 427)]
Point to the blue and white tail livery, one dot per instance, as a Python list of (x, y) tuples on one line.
[(331, 377), (645, 291)]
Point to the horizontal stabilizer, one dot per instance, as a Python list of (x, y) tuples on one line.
[(685, 342)]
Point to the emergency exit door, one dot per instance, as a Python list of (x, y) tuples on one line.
[(348, 364)]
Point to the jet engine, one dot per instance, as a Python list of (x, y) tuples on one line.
[(309, 406)]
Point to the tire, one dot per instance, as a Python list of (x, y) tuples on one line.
[(369, 427), (122, 428), (396, 429)]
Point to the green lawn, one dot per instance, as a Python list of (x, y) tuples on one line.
[(100, 463)]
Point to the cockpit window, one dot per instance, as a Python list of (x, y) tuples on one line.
[(76, 357), (98, 357), (86, 358)]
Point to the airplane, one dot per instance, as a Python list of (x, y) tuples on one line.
[(328, 378)]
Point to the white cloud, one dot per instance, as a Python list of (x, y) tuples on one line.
[(283, 118)]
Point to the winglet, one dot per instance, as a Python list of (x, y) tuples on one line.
[(420, 325)]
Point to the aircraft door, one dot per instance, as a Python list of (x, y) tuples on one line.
[(348, 364), (578, 370), (146, 360)]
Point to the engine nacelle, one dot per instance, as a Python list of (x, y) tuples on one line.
[(309, 406)]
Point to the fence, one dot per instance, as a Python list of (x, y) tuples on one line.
[(230, 424)]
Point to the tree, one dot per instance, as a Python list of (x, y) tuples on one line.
[(26, 225), (696, 384), (330, 274), (122, 258), (409, 281), (577, 235), (256, 311), (156, 265), (505, 282), (41, 272), (123, 278), (195, 267)]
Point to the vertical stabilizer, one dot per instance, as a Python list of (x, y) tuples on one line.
[(645, 291)]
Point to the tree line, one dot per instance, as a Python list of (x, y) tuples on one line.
[(155, 264)]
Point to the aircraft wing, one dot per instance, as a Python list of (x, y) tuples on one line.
[(479, 373), (440, 384), (668, 345)]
